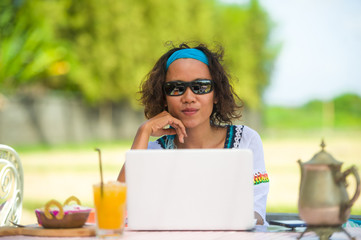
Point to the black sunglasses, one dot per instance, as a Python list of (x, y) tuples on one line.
[(177, 88)]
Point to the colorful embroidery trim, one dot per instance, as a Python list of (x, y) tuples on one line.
[(233, 138), (260, 178), (229, 138)]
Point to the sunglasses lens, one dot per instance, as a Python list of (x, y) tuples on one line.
[(177, 88), (174, 88), (201, 86)]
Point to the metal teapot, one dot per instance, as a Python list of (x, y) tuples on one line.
[(323, 199)]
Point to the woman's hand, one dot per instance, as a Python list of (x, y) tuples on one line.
[(156, 127)]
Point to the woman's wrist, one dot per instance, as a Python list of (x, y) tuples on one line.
[(142, 137)]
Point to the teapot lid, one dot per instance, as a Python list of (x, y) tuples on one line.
[(323, 157)]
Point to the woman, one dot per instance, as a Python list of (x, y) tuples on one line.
[(189, 90)]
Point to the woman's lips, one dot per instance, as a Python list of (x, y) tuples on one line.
[(189, 111)]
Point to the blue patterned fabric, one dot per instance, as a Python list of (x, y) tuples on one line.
[(167, 141)]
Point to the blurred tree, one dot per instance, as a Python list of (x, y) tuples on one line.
[(347, 109), (350, 103), (116, 42), (103, 49), (245, 31), (342, 112), (29, 52), (103, 37)]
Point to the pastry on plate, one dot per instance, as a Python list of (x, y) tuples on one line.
[(55, 215)]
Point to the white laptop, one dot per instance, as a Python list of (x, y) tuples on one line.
[(190, 189)]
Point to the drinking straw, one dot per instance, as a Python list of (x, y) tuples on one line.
[(101, 172)]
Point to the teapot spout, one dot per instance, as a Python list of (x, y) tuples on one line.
[(301, 167), (300, 163)]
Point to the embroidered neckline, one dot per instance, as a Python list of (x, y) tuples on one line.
[(233, 138), (229, 136), (238, 136)]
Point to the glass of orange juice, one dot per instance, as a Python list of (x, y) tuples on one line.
[(110, 209)]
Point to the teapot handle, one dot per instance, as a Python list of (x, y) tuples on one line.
[(353, 170)]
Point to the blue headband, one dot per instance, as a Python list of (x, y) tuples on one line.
[(187, 53)]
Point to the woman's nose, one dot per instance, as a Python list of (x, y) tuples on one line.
[(188, 96)]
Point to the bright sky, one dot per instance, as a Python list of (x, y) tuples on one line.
[(321, 49)]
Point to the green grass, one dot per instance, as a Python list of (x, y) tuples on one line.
[(30, 204), (39, 169), (75, 147), (282, 208), (343, 112), (355, 210)]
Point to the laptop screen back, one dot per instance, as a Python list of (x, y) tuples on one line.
[(190, 189)]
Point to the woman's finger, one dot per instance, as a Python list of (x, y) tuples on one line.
[(168, 131), (177, 125), (180, 129)]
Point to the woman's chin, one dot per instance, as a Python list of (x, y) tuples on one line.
[(190, 124)]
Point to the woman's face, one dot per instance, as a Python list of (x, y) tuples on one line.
[(192, 109)]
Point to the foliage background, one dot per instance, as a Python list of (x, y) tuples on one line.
[(103, 49), (343, 113)]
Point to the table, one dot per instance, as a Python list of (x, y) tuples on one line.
[(259, 233)]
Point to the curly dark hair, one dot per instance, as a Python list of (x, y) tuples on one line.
[(224, 111)]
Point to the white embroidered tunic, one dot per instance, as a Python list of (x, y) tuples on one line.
[(238, 136)]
